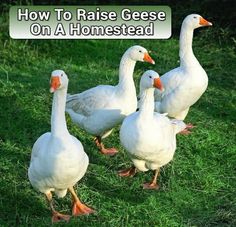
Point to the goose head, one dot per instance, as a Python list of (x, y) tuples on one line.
[(58, 81), (195, 21), (139, 53), (151, 79)]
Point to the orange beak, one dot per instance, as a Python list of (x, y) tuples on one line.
[(158, 84), (147, 58), (55, 83), (204, 22)]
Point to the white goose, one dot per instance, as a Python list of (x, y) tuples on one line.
[(149, 137), (183, 85), (99, 109), (58, 160)]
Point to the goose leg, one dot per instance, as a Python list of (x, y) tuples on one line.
[(153, 184), (186, 130), (56, 216), (78, 207), (103, 150), (130, 172)]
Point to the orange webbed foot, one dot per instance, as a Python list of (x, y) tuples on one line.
[(130, 172), (151, 186), (81, 209), (109, 151), (190, 126), (186, 130)]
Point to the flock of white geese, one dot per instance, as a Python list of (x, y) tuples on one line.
[(58, 159)]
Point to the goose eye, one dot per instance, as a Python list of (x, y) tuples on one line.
[(140, 51), (195, 17), (150, 77), (62, 75)]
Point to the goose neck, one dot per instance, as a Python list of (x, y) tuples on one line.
[(147, 103), (58, 119), (126, 71), (186, 54)]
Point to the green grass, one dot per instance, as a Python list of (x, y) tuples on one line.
[(197, 187)]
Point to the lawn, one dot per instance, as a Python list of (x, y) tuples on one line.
[(197, 187)]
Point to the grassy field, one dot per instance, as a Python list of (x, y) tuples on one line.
[(197, 187)]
